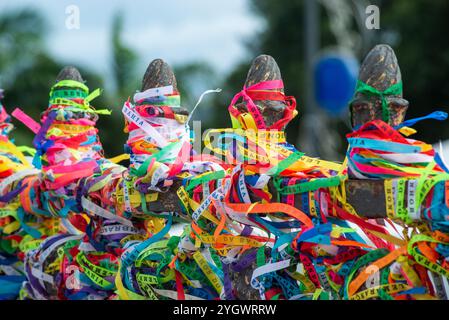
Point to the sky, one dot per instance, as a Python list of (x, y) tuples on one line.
[(179, 31)]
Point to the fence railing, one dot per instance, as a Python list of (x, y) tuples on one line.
[(262, 219)]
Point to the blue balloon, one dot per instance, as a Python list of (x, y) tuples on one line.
[(335, 81)]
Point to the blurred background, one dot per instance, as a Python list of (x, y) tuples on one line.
[(211, 44)]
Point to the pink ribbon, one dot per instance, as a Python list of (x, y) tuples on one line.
[(252, 108)]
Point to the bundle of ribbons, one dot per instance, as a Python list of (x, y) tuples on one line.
[(84, 227), (12, 162)]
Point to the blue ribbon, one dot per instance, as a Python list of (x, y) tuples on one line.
[(436, 115)]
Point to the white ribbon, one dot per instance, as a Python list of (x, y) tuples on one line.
[(153, 92), (143, 124), (99, 211)]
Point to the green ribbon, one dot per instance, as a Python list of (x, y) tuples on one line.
[(80, 90), (75, 93), (312, 185), (143, 168), (214, 175), (171, 101), (285, 163), (70, 84), (369, 91)]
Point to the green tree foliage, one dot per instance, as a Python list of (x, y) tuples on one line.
[(20, 41), (124, 61), (28, 72), (126, 81), (422, 48)]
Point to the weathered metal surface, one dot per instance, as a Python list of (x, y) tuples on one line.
[(265, 68), (69, 73), (367, 197), (380, 70), (160, 74), (167, 201)]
